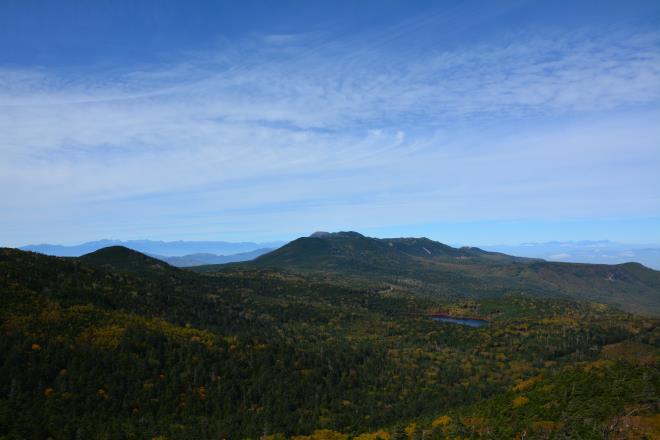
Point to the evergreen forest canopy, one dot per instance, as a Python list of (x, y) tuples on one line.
[(329, 337)]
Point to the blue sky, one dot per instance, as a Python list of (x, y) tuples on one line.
[(468, 122)]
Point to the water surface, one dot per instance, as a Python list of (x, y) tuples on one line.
[(462, 321)]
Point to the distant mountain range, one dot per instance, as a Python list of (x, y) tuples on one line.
[(433, 268), (206, 258), (600, 252), (195, 253), (176, 253)]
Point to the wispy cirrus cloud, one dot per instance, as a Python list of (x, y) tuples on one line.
[(314, 126)]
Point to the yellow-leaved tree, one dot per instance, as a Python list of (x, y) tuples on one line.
[(519, 401), (322, 434), (441, 421)]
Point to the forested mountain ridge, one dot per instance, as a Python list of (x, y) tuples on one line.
[(438, 269), (118, 349), (164, 248), (350, 248), (125, 259)]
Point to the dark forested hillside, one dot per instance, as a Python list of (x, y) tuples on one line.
[(441, 270), (124, 259), (117, 345)]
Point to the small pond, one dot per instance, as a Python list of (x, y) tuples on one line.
[(462, 321)]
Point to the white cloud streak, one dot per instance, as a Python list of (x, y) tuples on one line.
[(290, 133)]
